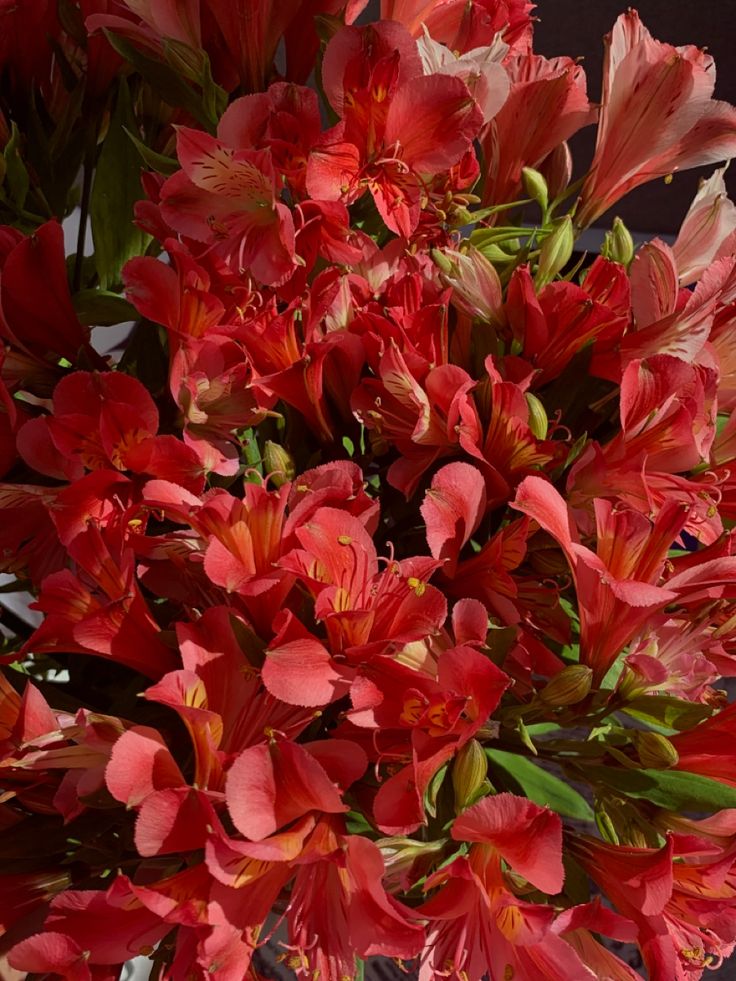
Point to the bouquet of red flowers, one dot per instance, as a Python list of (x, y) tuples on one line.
[(383, 561)]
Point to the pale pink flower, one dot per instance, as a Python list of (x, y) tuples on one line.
[(706, 232), (657, 116)]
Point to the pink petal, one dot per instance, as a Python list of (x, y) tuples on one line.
[(299, 669), (452, 509), (527, 836), (433, 119), (268, 786), (139, 764)]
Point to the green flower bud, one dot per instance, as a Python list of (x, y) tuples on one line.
[(538, 422), (278, 462), (656, 752), (469, 774), (568, 687), (618, 244), (441, 260), (555, 252), (535, 186)]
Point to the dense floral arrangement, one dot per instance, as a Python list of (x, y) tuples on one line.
[(386, 570)]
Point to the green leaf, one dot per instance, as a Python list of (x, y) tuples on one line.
[(156, 161), (432, 791), (16, 175), (675, 790), (115, 191), (348, 446), (540, 786), (667, 711), (357, 824), (102, 308)]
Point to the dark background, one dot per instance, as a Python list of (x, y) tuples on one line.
[(576, 28)]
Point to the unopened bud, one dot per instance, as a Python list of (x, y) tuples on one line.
[(184, 59), (469, 774), (568, 687), (476, 287), (548, 561), (618, 245), (406, 860), (441, 260), (279, 463), (557, 169), (461, 216), (656, 752), (535, 186), (555, 252), (606, 826), (538, 422)]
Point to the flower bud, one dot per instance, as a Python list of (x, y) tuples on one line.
[(548, 561), (279, 463), (406, 860), (441, 260), (184, 59), (535, 186), (476, 287), (618, 245), (568, 687), (656, 752), (555, 252), (538, 422), (469, 774), (557, 169)]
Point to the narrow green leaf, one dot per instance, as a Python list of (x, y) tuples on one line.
[(357, 824), (156, 161), (115, 191), (432, 791), (540, 786), (675, 790)]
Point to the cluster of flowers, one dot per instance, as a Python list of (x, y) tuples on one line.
[(386, 569)]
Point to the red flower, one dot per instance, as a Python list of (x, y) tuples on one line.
[(104, 421), (36, 311), (476, 922), (228, 199), (392, 116)]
